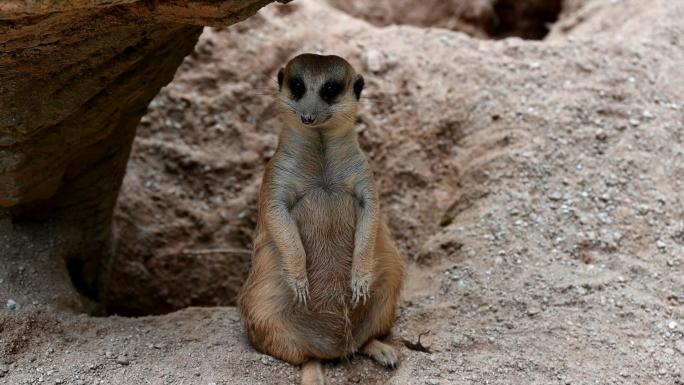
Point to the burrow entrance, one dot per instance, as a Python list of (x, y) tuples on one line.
[(488, 19), (188, 206)]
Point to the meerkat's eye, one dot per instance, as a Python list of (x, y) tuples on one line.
[(296, 87), (330, 90)]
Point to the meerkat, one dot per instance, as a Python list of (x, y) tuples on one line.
[(325, 275)]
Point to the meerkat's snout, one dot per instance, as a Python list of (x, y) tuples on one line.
[(318, 91)]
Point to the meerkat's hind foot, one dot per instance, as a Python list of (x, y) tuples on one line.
[(312, 373), (382, 353)]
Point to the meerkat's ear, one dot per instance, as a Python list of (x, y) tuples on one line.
[(281, 75), (358, 86)]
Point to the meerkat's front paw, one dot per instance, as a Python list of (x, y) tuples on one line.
[(360, 289), (300, 288)]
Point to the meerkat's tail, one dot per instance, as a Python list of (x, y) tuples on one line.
[(312, 373)]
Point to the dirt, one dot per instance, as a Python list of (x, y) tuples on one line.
[(534, 187)]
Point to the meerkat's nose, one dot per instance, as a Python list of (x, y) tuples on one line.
[(308, 119)]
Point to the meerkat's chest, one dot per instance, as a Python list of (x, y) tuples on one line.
[(326, 200), (321, 175)]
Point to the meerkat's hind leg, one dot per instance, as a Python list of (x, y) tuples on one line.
[(312, 373), (382, 353)]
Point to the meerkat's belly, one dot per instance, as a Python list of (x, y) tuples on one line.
[(327, 221)]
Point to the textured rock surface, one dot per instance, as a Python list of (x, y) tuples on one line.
[(75, 79)]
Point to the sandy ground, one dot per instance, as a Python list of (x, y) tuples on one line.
[(534, 187)]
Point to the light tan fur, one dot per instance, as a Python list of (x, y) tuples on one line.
[(325, 275)]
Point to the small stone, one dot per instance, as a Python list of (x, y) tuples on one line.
[(374, 60), (122, 360), (672, 325), (533, 310), (11, 304), (647, 114), (432, 381), (58, 381), (556, 196), (601, 135), (660, 244), (679, 345), (634, 122), (471, 253)]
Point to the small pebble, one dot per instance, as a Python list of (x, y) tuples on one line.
[(432, 381), (660, 244), (679, 345), (122, 360), (672, 325), (11, 304), (601, 135), (556, 196), (374, 60)]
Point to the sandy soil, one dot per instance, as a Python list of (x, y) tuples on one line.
[(534, 187)]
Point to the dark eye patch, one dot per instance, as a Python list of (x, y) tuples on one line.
[(331, 90), (297, 88)]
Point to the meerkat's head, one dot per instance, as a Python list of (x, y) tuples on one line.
[(319, 91)]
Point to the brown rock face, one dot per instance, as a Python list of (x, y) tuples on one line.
[(75, 79)]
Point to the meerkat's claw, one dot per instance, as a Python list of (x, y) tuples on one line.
[(301, 291), (382, 353), (360, 290)]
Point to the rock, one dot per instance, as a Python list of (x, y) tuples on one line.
[(672, 325), (76, 78), (601, 135), (660, 244), (679, 346), (11, 304), (122, 360), (556, 196), (374, 60)]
